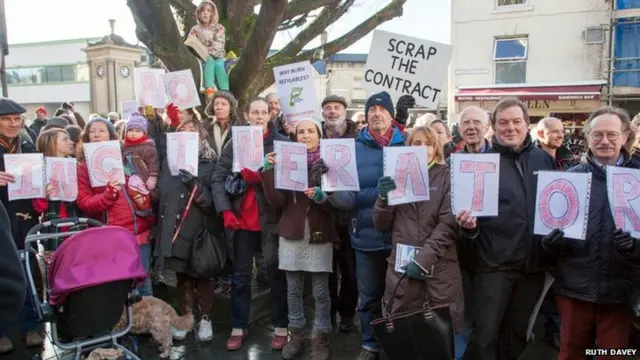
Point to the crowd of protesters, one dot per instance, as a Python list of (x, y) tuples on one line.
[(488, 271)]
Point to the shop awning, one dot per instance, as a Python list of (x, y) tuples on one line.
[(526, 93)]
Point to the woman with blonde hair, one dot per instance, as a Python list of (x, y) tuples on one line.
[(428, 227)]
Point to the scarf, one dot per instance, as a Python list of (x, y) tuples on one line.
[(205, 151), (336, 132), (313, 157), (219, 136), (9, 145), (382, 140), (129, 142)]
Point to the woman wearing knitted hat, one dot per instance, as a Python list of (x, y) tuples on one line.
[(221, 111), (307, 230)]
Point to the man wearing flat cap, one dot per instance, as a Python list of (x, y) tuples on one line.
[(21, 214)]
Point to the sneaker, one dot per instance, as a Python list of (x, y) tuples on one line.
[(6, 346), (235, 341), (367, 355), (205, 331), (178, 335), (278, 342), (33, 339)]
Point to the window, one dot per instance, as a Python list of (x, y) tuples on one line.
[(48, 74), (511, 2), (594, 35), (510, 55)]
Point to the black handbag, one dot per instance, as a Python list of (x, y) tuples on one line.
[(423, 334), (208, 255)]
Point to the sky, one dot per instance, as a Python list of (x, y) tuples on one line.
[(49, 20)]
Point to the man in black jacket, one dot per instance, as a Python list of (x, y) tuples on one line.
[(12, 281), (509, 266)]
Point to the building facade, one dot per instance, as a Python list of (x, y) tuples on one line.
[(49, 73), (556, 56)]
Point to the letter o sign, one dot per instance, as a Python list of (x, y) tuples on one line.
[(180, 91), (568, 192)]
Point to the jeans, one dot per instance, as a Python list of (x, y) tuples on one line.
[(244, 245), (372, 267), (295, 294), (461, 341), (344, 293), (214, 73), (145, 288), (550, 310)]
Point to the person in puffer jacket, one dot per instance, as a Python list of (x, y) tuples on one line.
[(111, 204)]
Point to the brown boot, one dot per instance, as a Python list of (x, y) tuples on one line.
[(320, 346), (6, 346), (295, 344), (186, 287)]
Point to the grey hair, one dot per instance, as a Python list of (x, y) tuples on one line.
[(484, 118), (624, 117), (270, 95), (635, 123), (544, 123)]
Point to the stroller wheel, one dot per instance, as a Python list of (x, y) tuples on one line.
[(131, 343)]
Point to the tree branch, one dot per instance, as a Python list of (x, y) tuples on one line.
[(328, 16), (300, 7), (257, 47), (186, 10), (237, 11)]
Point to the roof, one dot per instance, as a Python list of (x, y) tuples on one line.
[(113, 39)]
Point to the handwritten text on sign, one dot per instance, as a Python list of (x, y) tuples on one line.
[(248, 151), (339, 156), (149, 87), (104, 162), (28, 169), (404, 65), (407, 165), (182, 152), (296, 89), (623, 188), (181, 89), (474, 183), (291, 166), (62, 175), (562, 202)]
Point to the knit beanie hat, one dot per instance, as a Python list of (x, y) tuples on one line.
[(110, 127), (383, 99), (41, 109), (137, 121), (149, 111), (315, 121)]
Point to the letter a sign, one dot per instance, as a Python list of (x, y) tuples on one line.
[(623, 188), (562, 202), (407, 165)]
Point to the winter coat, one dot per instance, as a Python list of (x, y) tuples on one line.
[(37, 126), (142, 159), (564, 157), (174, 197), (112, 209), (157, 131), (212, 36), (369, 161), (297, 210), (21, 214), (430, 226), (506, 242), (211, 128), (13, 285), (593, 270)]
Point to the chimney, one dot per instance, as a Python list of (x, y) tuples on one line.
[(112, 23)]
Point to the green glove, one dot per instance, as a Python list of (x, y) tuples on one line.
[(266, 165), (319, 195), (385, 186), (414, 271)]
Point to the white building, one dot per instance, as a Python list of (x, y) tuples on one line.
[(554, 55), (49, 73)]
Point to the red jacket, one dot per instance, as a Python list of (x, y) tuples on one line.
[(96, 202)]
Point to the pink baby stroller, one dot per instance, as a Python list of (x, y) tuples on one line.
[(91, 278)]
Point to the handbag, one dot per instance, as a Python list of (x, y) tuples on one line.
[(425, 333), (208, 255)]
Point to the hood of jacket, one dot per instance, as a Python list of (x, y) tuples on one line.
[(215, 17)]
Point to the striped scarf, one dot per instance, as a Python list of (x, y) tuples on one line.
[(9, 145)]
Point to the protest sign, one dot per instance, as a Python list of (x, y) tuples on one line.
[(404, 65), (407, 165), (182, 152), (623, 190), (28, 170), (181, 89), (149, 87), (291, 166), (62, 173), (562, 202), (475, 179), (104, 162), (127, 108), (248, 151), (295, 87), (339, 156)]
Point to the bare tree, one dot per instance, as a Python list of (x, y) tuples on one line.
[(160, 25)]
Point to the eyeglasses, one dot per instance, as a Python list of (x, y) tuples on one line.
[(611, 136)]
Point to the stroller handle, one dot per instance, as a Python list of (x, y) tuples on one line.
[(60, 223)]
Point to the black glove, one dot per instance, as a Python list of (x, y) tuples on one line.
[(624, 242), (317, 170), (555, 243), (188, 179), (405, 103)]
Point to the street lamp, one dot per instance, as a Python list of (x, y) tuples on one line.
[(4, 49)]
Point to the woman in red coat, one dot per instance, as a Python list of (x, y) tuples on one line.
[(110, 203)]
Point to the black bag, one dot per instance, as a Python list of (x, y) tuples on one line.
[(208, 255), (424, 334)]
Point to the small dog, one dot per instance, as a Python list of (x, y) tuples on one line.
[(154, 316)]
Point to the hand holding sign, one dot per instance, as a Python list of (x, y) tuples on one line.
[(6, 178), (466, 220), (104, 162)]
